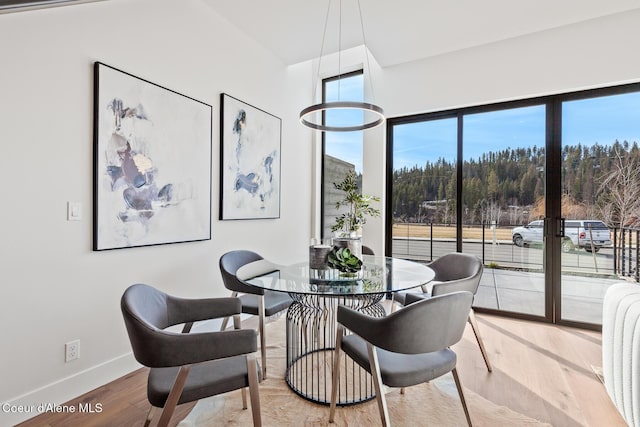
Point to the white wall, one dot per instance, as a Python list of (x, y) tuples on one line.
[(597, 53), (54, 288)]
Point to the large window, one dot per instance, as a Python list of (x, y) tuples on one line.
[(342, 151), (542, 190)]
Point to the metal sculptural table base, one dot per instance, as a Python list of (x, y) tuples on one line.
[(311, 319), (311, 334)]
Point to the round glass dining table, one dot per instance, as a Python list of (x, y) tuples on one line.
[(311, 319)]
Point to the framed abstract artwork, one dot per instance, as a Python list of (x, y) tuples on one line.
[(250, 161), (152, 163)]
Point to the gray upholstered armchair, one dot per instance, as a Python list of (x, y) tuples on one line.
[(405, 348), (255, 301), (455, 272), (186, 367)]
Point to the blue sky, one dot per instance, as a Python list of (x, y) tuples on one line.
[(590, 121), (596, 120), (417, 143), (602, 120), (345, 145)]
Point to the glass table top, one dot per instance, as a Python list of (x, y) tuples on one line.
[(378, 275)]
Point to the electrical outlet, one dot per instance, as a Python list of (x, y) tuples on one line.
[(72, 350)]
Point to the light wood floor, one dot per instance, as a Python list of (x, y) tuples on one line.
[(542, 371)]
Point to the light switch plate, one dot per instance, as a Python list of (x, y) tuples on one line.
[(74, 211)]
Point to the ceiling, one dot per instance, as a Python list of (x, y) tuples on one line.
[(396, 31), (402, 30)]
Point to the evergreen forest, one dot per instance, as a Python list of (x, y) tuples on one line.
[(598, 181)]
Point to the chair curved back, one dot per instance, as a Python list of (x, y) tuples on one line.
[(456, 272), (425, 326), (366, 250), (230, 262), (148, 311)]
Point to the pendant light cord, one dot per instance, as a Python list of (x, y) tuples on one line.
[(366, 53), (307, 114), (324, 35), (339, 48), (364, 44)]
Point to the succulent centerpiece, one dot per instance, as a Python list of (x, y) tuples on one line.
[(344, 261)]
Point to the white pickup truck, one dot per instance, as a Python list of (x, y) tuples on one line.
[(585, 232), (578, 234)]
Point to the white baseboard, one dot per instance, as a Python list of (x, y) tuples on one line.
[(65, 389)]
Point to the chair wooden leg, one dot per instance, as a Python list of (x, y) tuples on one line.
[(393, 302), (150, 414), (187, 327), (461, 394), (225, 321), (237, 324), (476, 332), (377, 383), (263, 341), (254, 393), (243, 391), (336, 373), (174, 396)]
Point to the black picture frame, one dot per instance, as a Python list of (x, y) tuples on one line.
[(250, 161), (152, 163)]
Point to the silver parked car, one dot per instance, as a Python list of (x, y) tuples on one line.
[(587, 234)]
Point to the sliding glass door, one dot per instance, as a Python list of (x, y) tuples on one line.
[(504, 205), (545, 191), (600, 197), (500, 164)]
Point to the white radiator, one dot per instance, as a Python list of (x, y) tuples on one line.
[(621, 349)]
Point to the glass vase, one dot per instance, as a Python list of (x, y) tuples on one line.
[(353, 243)]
